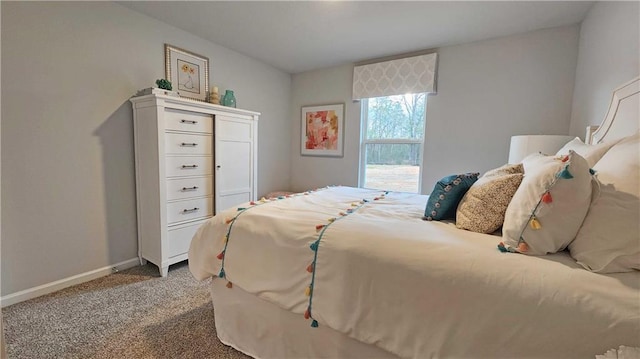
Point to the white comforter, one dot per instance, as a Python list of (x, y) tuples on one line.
[(415, 288)]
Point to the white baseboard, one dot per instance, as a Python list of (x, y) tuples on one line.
[(66, 282)]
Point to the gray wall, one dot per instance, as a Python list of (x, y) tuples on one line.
[(322, 87), (68, 194), (487, 92), (609, 55)]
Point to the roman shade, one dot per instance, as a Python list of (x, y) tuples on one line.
[(395, 77)]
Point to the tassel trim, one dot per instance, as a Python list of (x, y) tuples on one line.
[(311, 268), (231, 221), (534, 223)]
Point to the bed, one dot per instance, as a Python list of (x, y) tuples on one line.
[(342, 272)]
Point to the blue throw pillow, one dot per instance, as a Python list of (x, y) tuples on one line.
[(446, 195)]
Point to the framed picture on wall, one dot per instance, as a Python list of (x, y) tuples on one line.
[(322, 131), (188, 72)]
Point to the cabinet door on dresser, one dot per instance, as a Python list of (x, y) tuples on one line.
[(235, 153)]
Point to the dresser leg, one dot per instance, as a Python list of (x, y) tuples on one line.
[(164, 271)]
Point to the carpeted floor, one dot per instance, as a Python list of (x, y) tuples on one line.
[(130, 314)]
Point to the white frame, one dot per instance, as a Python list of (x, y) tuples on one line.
[(619, 128), (174, 57), (338, 109), (364, 111)]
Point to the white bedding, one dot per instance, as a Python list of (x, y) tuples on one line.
[(414, 288)]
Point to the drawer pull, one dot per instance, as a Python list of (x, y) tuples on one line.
[(190, 188), (185, 144), (191, 122), (190, 210), (189, 166)]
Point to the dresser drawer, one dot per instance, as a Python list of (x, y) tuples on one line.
[(188, 144), (188, 210), (189, 187), (178, 120), (180, 239), (188, 166)]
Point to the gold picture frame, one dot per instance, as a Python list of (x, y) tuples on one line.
[(187, 71)]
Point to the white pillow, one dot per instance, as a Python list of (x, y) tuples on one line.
[(591, 153), (609, 240), (549, 206)]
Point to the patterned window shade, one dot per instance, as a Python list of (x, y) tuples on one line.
[(396, 77)]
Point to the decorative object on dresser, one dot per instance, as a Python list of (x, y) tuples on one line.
[(164, 84), (157, 91), (229, 99), (522, 146), (193, 159), (214, 96), (188, 71), (322, 130)]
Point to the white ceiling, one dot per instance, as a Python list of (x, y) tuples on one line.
[(306, 35)]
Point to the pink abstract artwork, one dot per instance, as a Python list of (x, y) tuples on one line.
[(322, 130)]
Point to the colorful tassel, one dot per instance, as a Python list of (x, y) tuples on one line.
[(592, 171), (314, 246), (314, 324), (565, 173), (534, 223), (228, 220), (221, 255), (331, 220), (523, 247), (253, 203), (310, 268), (280, 197), (307, 314), (365, 200), (354, 204), (565, 158), (546, 197), (319, 227), (342, 214), (241, 208), (229, 285), (349, 210), (307, 291), (226, 238), (502, 248), (221, 274), (376, 198)]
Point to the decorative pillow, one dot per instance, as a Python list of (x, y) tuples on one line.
[(609, 240), (549, 206), (591, 153), (483, 207), (446, 195)]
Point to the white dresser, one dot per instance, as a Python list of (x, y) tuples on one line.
[(193, 159)]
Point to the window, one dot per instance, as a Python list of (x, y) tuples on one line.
[(392, 141)]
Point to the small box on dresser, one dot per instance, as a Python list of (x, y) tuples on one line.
[(192, 160)]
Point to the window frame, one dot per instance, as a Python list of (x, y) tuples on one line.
[(364, 116)]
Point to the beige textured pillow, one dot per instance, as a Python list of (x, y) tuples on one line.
[(483, 207)]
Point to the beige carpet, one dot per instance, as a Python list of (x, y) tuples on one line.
[(130, 314)]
